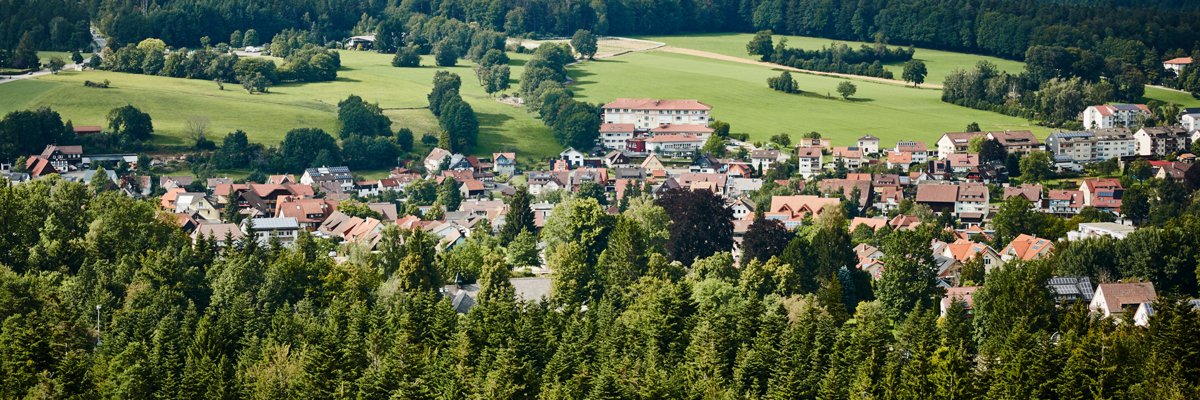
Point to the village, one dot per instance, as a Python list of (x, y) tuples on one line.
[(653, 146)]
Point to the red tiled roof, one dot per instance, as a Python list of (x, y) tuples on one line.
[(656, 104), (682, 128), (1179, 61), (616, 127), (1026, 247), (674, 138)]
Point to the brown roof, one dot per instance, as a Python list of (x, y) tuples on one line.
[(962, 137), (301, 209), (935, 193), (1031, 192), (909, 146), (1179, 61), (798, 206), (38, 166), (674, 138), (1117, 295), (964, 293), (616, 127), (49, 150), (809, 152), (1015, 138), (656, 104)]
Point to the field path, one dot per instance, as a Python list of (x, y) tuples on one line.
[(722, 57)]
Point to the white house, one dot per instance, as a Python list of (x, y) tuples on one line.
[(955, 142), (1113, 115), (918, 151), (869, 144), (1071, 146), (573, 157), (1161, 140), (808, 161), (616, 136), (651, 113), (1115, 299), (504, 163), (761, 160), (1113, 143), (196, 204), (285, 230), (433, 161), (1100, 229), (1177, 65), (850, 157), (1190, 120)]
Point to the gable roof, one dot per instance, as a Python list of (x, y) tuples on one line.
[(656, 104), (936, 193), (1117, 295), (1028, 247)]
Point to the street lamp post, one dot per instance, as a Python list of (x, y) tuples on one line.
[(97, 324)]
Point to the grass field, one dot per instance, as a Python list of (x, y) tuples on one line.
[(1172, 96), (939, 63), (267, 117), (737, 92), (739, 95)]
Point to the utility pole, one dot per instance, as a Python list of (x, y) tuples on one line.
[(97, 324)]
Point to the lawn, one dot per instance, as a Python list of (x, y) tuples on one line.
[(1171, 96), (267, 117), (739, 95), (939, 63)]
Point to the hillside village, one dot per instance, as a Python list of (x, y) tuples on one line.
[(652, 146)]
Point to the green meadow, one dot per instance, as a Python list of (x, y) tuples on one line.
[(737, 92), (938, 63), (739, 95), (267, 117)]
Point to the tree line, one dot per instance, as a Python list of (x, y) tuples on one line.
[(115, 301), (840, 58), (309, 63), (543, 88)]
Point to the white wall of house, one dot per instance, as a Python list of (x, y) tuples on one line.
[(646, 119)]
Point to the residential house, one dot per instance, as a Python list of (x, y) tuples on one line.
[(1071, 289), (850, 157), (1161, 141), (971, 205), (1102, 193), (221, 233), (1113, 143), (365, 231), (649, 113), (674, 145), (809, 161), (336, 175), (1016, 142), (955, 142), (742, 208), (63, 158), (616, 136), (196, 205), (961, 163), (1072, 146), (472, 189), (308, 213), (869, 144), (504, 163), (706, 163), (858, 191), (259, 197), (284, 230), (434, 160), (616, 159), (1114, 115), (824, 144), (1027, 247), (574, 158), (939, 197), (869, 260), (1177, 64), (1064, 202), (280, 179), (887, 198), (713, 182), (1030, 191), (38, 167), (737, 187), (1171, 170), (762, 160), (917, 152), (899, 160), (1117, 299), (1190, 119), (965, 250), (211, 183), (966, 294), (167, 182), (874, 223), (652, 163), (791, 210), (1100, 229)]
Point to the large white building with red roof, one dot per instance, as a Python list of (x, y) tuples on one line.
[(653, 113), (1113, 115), (1177, 64)]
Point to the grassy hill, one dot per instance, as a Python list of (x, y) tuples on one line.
[(737, 91), (267, 117), (739, 95), (939, 63)]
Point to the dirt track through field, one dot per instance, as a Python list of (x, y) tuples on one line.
[(722, 57)]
